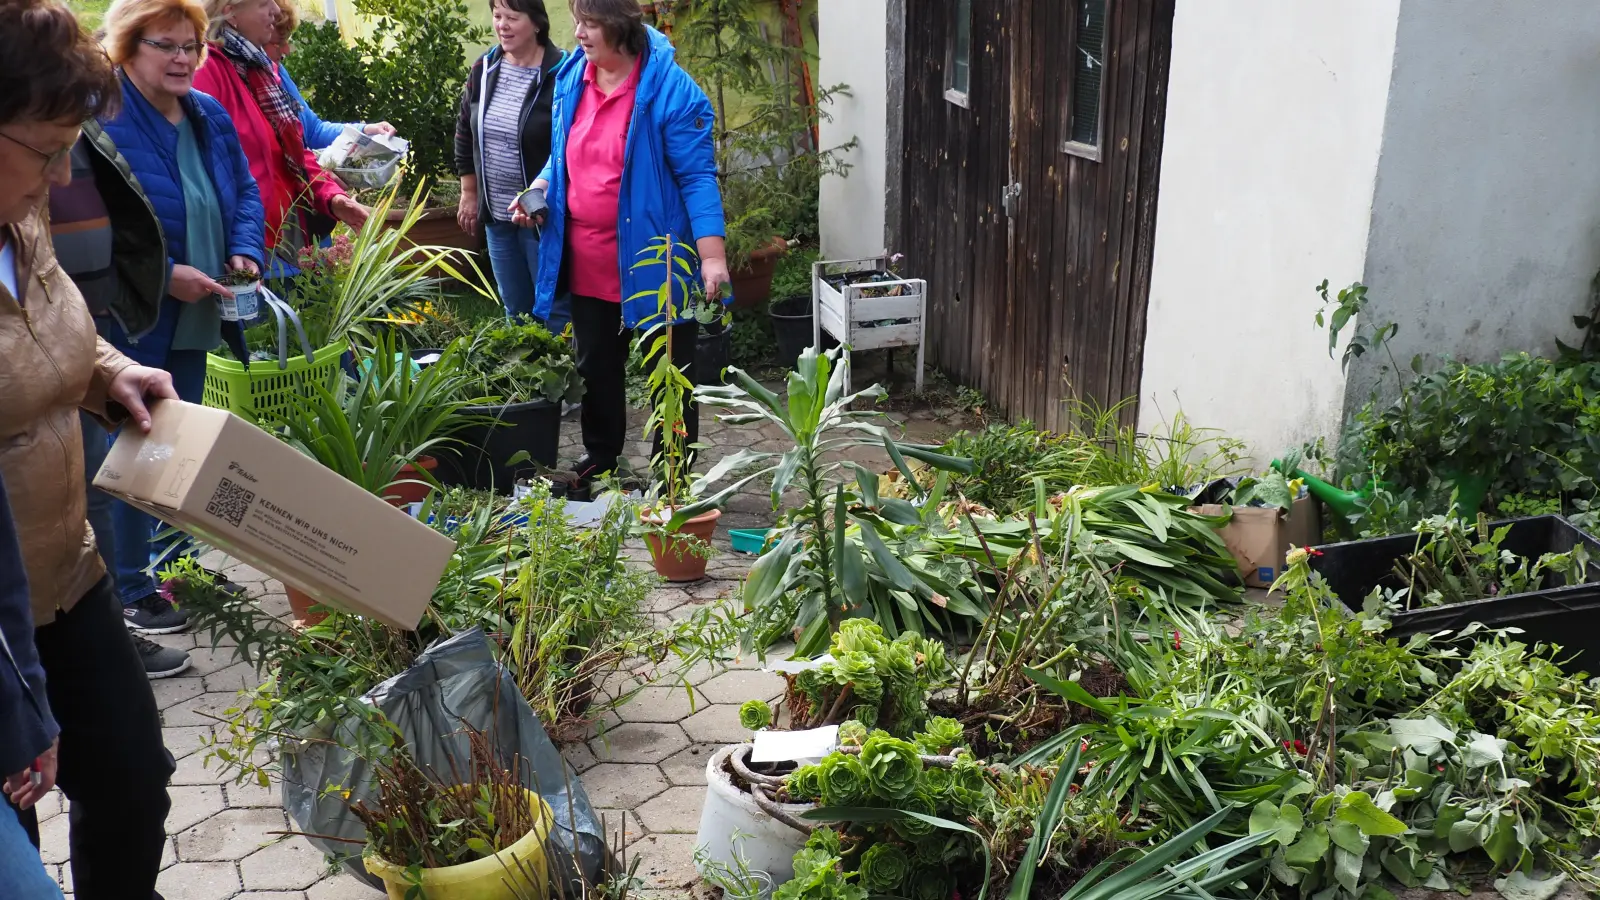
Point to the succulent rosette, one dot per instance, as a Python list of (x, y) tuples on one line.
[(843, 780), (910, 827), (755, 714), (805, 784), (852, 733), (893, 766), (939, 736), (932, 884), (884, 868)]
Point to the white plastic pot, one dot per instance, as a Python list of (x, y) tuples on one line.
[(768, 844)]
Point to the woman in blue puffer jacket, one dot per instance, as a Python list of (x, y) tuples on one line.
[(632, 158), (183, 148)]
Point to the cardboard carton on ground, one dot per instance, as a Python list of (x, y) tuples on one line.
[(237, 488), (1259, 537)]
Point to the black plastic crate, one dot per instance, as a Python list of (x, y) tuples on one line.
[(1568, 616)]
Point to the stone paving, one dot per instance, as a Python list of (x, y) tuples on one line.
[(645, 765)]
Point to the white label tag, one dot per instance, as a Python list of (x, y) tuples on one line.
[(797, 746)]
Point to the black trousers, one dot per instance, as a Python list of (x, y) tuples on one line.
[(114, 767), (603, 362)]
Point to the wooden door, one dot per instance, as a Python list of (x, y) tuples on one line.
[(1059, 191), (955, 167)]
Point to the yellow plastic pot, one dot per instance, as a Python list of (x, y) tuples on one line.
[(515, 872)]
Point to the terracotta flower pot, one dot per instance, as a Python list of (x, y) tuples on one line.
[(300, 604), (674, 557), (753, 283), (414, 490)]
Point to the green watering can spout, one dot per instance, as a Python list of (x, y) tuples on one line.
[(1343, 503)]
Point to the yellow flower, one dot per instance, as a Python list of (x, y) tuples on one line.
[(1298, 556)]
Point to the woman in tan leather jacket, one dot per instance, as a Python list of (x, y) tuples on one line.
[(109, 759)]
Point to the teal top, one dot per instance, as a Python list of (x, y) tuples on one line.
[(199, 323)]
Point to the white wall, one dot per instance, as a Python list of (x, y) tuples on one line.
[(1486, 218), (852, 50), (1274, 119)]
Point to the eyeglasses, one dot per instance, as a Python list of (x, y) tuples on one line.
[(51, 160), (192, 48)]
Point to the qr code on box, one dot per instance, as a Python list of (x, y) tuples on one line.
[(230, 502)]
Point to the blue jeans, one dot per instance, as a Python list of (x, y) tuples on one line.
[(134, 529), (514, 257), (20, 869)]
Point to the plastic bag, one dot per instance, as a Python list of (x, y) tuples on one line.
[(363, 160), (453, 682)]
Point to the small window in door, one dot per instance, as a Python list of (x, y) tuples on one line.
[(958, 65), (1086, 90)]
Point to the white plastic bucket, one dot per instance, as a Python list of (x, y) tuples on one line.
[(244, 305), (768, 844)]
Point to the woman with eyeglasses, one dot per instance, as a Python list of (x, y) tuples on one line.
[(185, 152), (108, 758), (301, 200)]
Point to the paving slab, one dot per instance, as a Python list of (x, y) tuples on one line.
[(343, 886), (193, 804), (182, 740), (204, 709), (675, 811), (199, 881), (688, 767), (660, 703), (716, 724), (665, 860), (290, 864), (172, 691), (231, 835), (623, 785), (738, 686)]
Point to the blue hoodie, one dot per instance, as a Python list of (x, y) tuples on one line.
[(669, 177), (26, 726)]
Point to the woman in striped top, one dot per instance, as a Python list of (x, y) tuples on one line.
[(503, 140)]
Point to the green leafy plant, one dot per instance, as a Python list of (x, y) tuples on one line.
[(519, 361), (669, 387), (409, 69), (870, 679), (815, 594), (369, 429), (768, 162), (736, 879), (422, 821), (1455, 562)]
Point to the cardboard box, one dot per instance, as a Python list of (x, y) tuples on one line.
[(232, 485), (1260, 537)]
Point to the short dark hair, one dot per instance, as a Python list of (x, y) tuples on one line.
[(533, 9), (67, 77), (621, 21)]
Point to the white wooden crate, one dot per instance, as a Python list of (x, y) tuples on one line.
[(849, 314)]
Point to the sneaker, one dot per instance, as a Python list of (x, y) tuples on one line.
[(588, 468), (154, 614), (568, 409), (159, 661)]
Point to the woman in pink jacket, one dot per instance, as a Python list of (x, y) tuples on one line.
[(239, 75)]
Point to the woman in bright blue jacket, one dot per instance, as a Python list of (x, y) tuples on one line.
[(632, 158), (183, 148)]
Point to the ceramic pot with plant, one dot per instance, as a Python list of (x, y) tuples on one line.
[(679, 544), (482, 839)]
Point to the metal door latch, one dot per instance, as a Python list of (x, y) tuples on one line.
[(1009, 198)]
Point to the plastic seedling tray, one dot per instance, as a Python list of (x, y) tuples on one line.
[(748, 540), (1568, 616)]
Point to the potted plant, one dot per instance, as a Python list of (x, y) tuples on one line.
[(527, 374), (679, 543), (736, 878), (245, 302), (483, 838)]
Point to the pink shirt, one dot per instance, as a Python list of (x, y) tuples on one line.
[(596, 147)]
